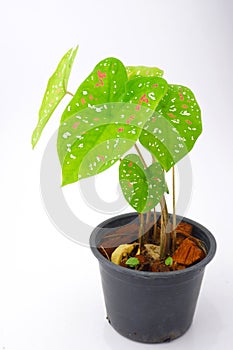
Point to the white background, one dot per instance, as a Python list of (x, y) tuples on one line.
[(50, 292)]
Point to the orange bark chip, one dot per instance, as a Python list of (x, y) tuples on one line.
[(184, 227), (188, 253)]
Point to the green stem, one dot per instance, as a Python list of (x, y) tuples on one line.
[(164, 204), (164, 236), (163, 220), (69, 93), (140, 155), (165, 211), (146, 236), (173, 211), (147, 227), (141, 230), (155, 227)]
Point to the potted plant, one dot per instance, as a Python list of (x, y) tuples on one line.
[(151, 263)]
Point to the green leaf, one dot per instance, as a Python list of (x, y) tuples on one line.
[(55, 91), (142, 71), (145, 92), (169, 261), (142, 188), (173, 129), (94, 139), (91, 140), (133, 262), (105, 84)]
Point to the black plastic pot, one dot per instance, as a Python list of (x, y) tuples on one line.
[(150, 307)]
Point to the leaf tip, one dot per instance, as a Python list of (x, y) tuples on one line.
[(67, 180), (63, 183), (34, 139), (73, 50)]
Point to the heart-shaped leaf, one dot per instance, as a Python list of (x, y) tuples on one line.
[(142, 71), (142, 188), (173, 129), (105, 84), (55, 91), (94, 139)]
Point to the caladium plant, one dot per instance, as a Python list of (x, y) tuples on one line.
[(115, 108)]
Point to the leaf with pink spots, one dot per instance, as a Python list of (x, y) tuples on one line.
[(105, 84), (145, 92), (92, 140), (173, 129), (108, 130)]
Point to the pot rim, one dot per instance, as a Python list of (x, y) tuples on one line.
[(148, 274)]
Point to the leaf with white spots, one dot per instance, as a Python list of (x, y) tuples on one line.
[(142, 71), (142, 188), (101, 133), (105, 84), (173, 129), (94, 139), (145, 92), (55, 91)]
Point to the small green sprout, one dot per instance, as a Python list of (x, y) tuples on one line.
[(132, 262), (169, 261)]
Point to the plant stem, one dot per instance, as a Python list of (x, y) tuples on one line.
[(163, 220), (147, 227), (162, 236), (163, 198), (155, 237), (148, 215), (69, 93), (155, 226), (141, 230), (140, 155), (141, 216), (173, 211), (164, 211)]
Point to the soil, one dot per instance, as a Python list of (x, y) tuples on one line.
[(188, 251)]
